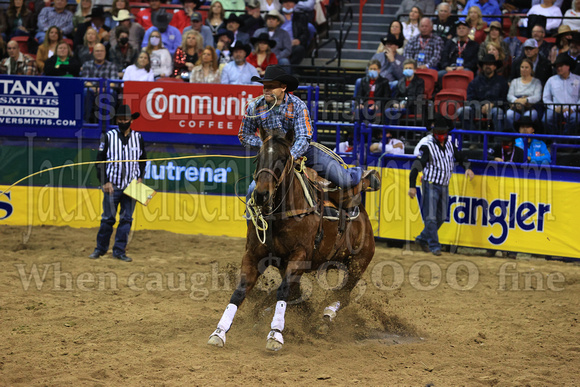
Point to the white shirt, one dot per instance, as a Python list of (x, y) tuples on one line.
[(551, 23), (133, 73), (390, 147)]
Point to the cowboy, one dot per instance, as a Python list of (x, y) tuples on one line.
[(561, 97), (238, 71), (120, 143), (280, 110)]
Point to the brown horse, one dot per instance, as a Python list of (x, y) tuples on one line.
[(287, 226)]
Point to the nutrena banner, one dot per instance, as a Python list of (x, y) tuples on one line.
[(41, 102), (189, 107)]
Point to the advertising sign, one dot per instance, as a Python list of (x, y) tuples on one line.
[(41, 102), (189, 107)]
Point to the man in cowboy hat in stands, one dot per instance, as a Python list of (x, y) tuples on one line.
[(136, 31), (233, 24), (97, 21), (120, 143), (561, 96), (283, 49), (287, 113), (170, 35), (238, 71), (391, 61)]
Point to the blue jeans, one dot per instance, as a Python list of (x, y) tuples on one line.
[(552, 122), (512, 116), (469, 115), (110, 205), (435, 199)]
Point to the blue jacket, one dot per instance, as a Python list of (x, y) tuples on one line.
[(537, 151)]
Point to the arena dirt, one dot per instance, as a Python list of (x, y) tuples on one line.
[(453, 320)]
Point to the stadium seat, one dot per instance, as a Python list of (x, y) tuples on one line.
[(458, 79), (430, 78), (522, 38), (169, 79), (551, 40), (22, 43), (443, 99)]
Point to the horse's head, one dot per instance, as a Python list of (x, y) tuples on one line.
[(273, 164)]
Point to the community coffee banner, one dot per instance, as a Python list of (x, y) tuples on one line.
[(189, 107), (41, 102)]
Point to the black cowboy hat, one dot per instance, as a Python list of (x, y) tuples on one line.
[(489, 58), (526, 120), (162, 21), (277, 73), (97, 11), (263, 37), (564, 59), (234, 18), (125, 111), (440, 124), (241, 46), (390, 39), (223, 31)]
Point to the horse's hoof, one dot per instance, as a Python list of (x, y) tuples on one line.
[(275, 341), (217, 338)]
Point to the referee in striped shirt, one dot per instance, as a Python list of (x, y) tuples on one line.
[(437, 161), (117, 145)]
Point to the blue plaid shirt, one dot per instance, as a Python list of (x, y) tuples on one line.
[(292, 114), (430, 46)]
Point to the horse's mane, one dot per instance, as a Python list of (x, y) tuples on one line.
[(277, 140)]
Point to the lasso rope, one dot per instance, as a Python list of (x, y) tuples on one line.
[(116, 161), (255, 99)]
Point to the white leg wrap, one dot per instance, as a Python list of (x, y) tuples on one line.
[(277, 336), (330, 311), (278, 320), (219, 333), (227, 318)]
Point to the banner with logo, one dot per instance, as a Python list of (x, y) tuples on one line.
[(41, 102), (189, 107), (529, 215)]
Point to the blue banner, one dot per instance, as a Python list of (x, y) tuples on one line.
[(41, 102)]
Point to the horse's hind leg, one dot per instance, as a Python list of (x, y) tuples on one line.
[(249, 276)]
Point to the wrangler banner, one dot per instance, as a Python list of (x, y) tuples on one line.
[(529, 214), (189, 107)]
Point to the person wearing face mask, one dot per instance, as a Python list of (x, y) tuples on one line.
[(123, 54), (119, 144), (170, 35), (408, 90), (506, 151), (296, 24), (437, 162), (372, 94)]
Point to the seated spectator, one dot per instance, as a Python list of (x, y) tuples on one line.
[(187, 54), (563, 90), (296, 24), (147, 16), (548, 9), (123, 54), (161, 62), (84, 52), (406, 7), (141, 70), (396, 31), (82, 13), (444, 24), (99, 67), (494, 34), (514, 44), (112, 20), (408, 90), (486, 95), (3, 50), (20, 19), (524, 93), (537, 150), (392, 146), (262, 56), (425, 48), (486, 7), (459, 53), (563, 38), (507, 152), (238, 71), (197, 25), (48, 47), (496, 50), (573, 12), (411, 26), (391, 61), (283, 47), (136, 32), (58, 16), (544, 48), (574, 51), (190, 7), (233, 24), (252, 20), (542, 68), (178, 19), (216, 17), (372, 94), (170, 35), (476, 24), (97, 22), (207, 68), (17, 63), (223, 46), (62, 63)]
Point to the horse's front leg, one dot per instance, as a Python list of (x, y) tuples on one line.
[(291, 277), (248, 278)]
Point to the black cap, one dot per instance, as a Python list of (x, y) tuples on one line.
[(125, 111)]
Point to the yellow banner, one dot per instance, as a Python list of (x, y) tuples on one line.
[(512, 214)]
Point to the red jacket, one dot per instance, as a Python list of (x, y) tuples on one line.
[(179, 19), (270, 60)]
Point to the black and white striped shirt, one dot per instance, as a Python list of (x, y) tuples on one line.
[(115, 146), (437, 162)]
